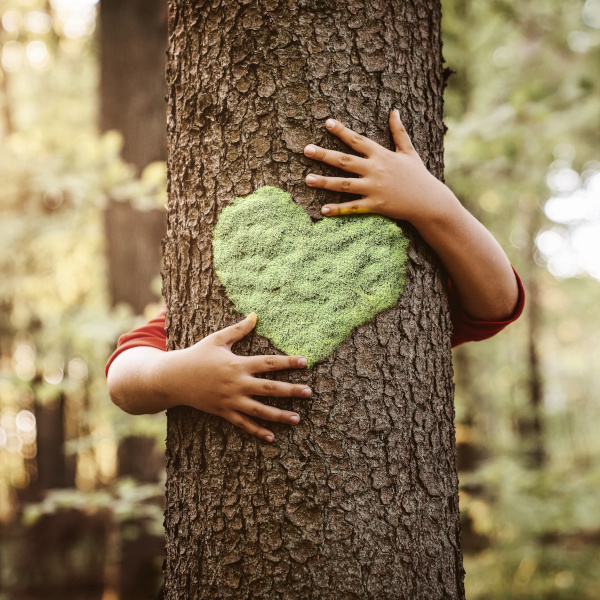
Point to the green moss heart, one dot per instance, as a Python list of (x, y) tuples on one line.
[(310, 285)]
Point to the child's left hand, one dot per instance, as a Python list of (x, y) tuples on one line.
[(395, 184)]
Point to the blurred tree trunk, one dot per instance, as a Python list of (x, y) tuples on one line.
[(54, 469), (531, 425), (133, 39), (133, 246), (360, 499), (470, 452)]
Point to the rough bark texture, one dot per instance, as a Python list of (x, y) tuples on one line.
[(360, 499)]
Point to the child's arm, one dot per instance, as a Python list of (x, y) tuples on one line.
[(398, 185), (206, 376)]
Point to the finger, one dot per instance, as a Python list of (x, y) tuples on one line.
[(243, 422), (259, 410), (264, 364), (234, 333), (356, 141), (347, 162), (348, 208), (399, 133), (352, 185), (280, 389)]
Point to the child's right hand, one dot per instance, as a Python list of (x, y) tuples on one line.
[(209, 377)]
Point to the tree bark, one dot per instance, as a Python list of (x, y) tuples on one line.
[(360, 499)]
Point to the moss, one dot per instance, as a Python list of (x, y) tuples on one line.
[(310, 285)]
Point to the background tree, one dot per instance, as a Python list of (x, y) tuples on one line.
[(360, 500), (133, 39)]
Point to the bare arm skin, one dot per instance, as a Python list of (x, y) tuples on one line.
[(206, 376), (398, 185)]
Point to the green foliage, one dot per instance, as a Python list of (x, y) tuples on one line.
[(310, 285)]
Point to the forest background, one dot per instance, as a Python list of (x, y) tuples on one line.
[(522, 153)]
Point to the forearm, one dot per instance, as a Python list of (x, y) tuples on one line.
[(135, 381), (208, 377), (479, 270)]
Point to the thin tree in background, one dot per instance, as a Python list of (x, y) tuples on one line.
[(360, 500), (133, 40)]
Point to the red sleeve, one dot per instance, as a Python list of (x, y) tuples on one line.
[(151, 334), (467, 329)]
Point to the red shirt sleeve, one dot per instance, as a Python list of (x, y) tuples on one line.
[(151, 334), (467, 329)]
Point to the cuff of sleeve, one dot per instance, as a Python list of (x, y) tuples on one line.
[(151, 335), (149, 343), (468, 329)]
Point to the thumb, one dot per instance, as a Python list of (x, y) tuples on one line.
[(347, 208), (399, 133), (234, 333)]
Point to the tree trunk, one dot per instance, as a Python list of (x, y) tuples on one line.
[(54, 469), (133, 239), (531, 425), (360, 499), (133, 40)]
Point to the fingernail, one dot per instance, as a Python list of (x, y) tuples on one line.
[(295, 419), (252, 317), (306, 392), (326, 210), (302, 362), (310, 150), (329, 123), (269, 438), (310, 179)]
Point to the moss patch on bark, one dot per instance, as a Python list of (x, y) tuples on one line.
[(309, 284)]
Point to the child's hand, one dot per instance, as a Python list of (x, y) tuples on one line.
[(398, 185), (395, 184), (209, 377)]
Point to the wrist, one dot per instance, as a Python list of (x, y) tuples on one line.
[(443, 210)]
